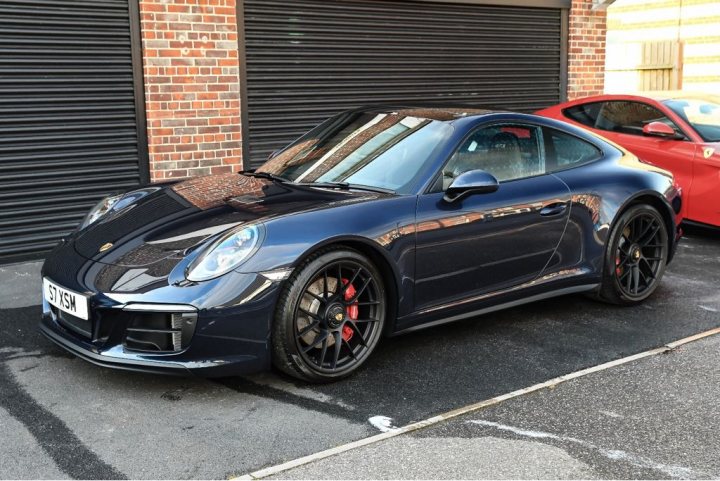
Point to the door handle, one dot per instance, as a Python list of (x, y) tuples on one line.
[(553, 209)]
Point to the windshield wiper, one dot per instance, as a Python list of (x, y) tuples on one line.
[(266, 175), (348, 186)]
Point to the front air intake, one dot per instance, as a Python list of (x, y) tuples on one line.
[(160, 332)]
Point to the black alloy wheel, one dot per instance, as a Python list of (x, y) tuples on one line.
[(330, 317), (636, 256)]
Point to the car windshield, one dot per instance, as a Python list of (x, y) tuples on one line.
[(702, 115), (381, 150)]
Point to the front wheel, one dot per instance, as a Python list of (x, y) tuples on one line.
[(330, 316), (635, 256)]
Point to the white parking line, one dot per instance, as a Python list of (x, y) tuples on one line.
[(279, 468), (673, 471)]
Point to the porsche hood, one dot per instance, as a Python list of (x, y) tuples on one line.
[(174, 219)]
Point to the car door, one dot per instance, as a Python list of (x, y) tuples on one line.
[(702, 115), (488, 242), (703, 200)]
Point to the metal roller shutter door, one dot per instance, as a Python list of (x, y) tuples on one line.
[(309, 59), (68, 119)]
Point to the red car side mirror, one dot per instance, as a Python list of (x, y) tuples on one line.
[(659, 129)]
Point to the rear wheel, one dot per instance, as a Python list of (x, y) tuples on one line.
[(635, 257), (330, 316)]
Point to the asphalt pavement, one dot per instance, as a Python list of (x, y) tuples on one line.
[(64, 418)]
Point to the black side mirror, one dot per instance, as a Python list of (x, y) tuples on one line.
[(469, 183)]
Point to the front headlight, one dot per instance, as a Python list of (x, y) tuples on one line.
[(225, 254), (102, 208), (116, 203)]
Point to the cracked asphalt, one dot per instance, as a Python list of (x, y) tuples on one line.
[(656, 418)]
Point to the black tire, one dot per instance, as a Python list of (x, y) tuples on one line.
[(324, 330), (635, 256)]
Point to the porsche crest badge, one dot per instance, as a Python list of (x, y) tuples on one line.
[(105, 246), (708, 151)]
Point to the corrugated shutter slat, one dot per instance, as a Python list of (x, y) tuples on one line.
[(68, 126), (309, 59)]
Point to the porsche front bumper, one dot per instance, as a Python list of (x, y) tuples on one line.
[(181, 335)]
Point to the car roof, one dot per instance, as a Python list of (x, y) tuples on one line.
[(439, 112)]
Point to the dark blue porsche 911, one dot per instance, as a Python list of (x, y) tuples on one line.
[(377, 222)]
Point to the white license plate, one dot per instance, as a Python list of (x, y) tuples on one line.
[(65, 300)]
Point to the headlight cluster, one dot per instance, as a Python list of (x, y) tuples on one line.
[(102, 208), (226, 253), (115, 203)]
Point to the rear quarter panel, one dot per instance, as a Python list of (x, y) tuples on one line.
[(601, 191)]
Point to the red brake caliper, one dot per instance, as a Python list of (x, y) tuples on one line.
[(351, 312)]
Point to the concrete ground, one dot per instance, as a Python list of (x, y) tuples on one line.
[(64, 418), (656, 418)]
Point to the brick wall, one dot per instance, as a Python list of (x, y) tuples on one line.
[(190, 59), (191, 67), (586, 49)]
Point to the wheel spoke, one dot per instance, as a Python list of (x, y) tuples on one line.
[(360, 291), (326, 292), (308, 313), (651, 272), (359, 334), (635, 228), (636, 278), (315, 296), (365, 320), (317, 341), (629, 279), (642, 241), (308, 328), (644, 231), (338, 346), (623, 262), (349, 283), (624, 274), (350, 349), (324, 350), (368, 303)]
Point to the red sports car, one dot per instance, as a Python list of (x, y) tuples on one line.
[(677, 131)]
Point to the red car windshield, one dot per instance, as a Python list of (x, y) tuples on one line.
[(702, 115)]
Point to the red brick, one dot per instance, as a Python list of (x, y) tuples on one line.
[(586, 47), (191, 87)]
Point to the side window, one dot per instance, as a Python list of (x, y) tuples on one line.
[(507, 151), (566, 151), (629, 117), (586, 114)]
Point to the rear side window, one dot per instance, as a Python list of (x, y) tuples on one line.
[(564, 151), (586, 114)]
